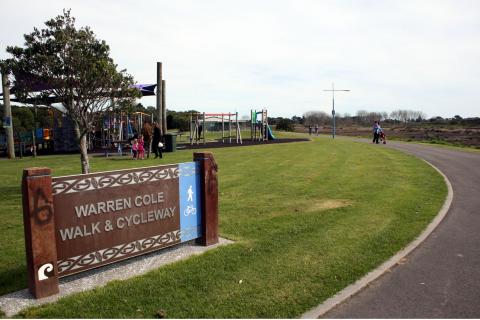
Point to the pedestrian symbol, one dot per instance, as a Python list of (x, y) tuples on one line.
[(190, 194)]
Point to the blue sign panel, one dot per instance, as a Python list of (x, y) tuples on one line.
[(7, 122), (39, 133), (190, 203)]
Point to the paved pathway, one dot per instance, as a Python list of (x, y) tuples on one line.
[(441, 278)]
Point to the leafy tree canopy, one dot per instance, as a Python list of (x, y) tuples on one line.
[(72, 67)]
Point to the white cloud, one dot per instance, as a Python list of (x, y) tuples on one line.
[(236, 55)]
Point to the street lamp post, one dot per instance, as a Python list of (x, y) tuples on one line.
[(333, 106)]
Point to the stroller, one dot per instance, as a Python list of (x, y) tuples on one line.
[(382, 136)]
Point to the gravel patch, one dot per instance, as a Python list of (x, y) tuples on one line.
[(13, 303)]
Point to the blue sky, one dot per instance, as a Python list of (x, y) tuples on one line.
[(237, 55)]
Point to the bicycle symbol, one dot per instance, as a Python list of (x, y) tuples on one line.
[(190, 210)]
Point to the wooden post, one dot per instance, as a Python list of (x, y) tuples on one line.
[(266, 126), (209, 190), (251, 124), (39, 226), (191, 129), (197, 129), (164, 108), (203, 128), (254, 126), (239, 134), (7, 113), (159, 95)]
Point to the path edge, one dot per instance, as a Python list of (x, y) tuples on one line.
[(354, 288)]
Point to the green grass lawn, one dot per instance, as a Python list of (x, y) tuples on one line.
[(307, 219)]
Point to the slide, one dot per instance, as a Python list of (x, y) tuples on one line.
[(270, 133)]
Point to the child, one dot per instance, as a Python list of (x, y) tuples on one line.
[(141, 148), (382, 136), (135, 148)]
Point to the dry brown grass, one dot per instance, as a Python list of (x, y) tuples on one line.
[(326, 204)]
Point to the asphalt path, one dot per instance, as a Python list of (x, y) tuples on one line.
[(440, 278)]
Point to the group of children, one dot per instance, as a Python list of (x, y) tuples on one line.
[(138, 148)]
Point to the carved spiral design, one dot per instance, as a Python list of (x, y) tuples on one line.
[(114, 179), (91, 260)]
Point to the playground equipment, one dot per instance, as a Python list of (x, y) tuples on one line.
[(199, 122), (260, 130), (119, 128), (111, 134), (114, 131), (140, 118)]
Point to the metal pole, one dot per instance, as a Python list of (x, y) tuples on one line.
[(203, 128), (229, 128), (34, 140), (159, 95), (333, 107), (236, 123), (7, 113), (34, 144)]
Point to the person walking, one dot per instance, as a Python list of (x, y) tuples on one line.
[(157, 138), (316, 130), (147, 137), (310, 130), (375, 128)]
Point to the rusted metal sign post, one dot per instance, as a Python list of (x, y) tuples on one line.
[(76, 223)]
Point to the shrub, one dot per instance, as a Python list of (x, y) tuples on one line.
[(285, 125)]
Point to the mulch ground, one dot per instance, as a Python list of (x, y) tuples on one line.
[(220, 144)]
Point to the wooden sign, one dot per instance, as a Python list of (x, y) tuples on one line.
[(76, 223)]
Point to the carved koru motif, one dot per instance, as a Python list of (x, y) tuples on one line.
[(42, 271), (103, 256), (113, 179)]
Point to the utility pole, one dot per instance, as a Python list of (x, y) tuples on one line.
[(333, 106), (7, 113), (159, 96)]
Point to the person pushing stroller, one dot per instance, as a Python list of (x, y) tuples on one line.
[(378, 133)]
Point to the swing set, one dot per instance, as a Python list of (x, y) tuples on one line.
[(199, 122), (120, 128)]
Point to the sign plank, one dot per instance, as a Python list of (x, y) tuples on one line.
[(100, 218)]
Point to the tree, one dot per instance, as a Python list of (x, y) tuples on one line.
[(316, 117), (299, 120), (285, 124), (407, 115), (179, 120), (74, 68)]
